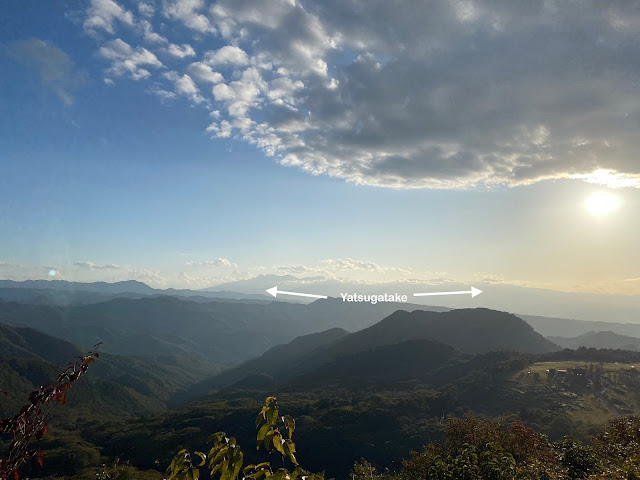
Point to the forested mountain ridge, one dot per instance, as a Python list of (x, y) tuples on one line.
[(225, 332), (121, 385), (486, 330), (278, 362), (606, 339)]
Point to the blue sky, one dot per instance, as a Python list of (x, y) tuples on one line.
[(187, 144)]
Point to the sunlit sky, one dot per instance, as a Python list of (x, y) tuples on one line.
[(188, 144)]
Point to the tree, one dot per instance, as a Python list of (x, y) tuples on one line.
[(225, 458), (30, 424)]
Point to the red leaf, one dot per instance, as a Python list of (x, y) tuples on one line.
[(41, 432)]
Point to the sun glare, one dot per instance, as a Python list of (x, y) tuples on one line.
[(601, 203)]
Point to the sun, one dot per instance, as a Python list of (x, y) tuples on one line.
[(601, 203)]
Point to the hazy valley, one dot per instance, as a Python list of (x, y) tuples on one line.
[(176, 367)]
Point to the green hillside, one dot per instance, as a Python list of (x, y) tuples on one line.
[(117, 385)]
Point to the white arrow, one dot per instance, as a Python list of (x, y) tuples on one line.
[(474, 291), (274, 291)]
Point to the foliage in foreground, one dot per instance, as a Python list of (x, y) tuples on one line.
[(31, 422), (473, 449), (477, 449), (225, 458)]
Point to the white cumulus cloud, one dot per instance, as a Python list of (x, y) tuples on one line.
[(185, 85), (128, 60), (189, 13), (181, 51), (204, 73), (95, 266), (444, 94), (216, 262), (102, 15), (229, 54)]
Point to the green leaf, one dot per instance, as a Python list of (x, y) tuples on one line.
[(296, 473), (262, 415), (215, 469), (224, 470), (272, 415), (202, 456), (281, 474), (237, 463), (223, 451), (291, 445), (262, 432), (277, 443), (268, 438), (289, 449), (216, 437), (290, 423)]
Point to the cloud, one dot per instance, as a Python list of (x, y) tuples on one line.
[(217, 262), (444, 94), (610, 179), (95, 266), (359, 265), (57, 71), (350, 264), (295, 269), (204, 73), (163, 94), (228, 55), (185, 85), (146, 9), (188, 12), (128, 60), (345, 269), (102, 15), (181, 51), (149, 34)]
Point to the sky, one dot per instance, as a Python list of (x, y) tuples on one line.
[(188, 143)]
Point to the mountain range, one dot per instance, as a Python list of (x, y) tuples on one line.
[(337, 352), (117, 385), (62, 292), (606, 339), (381, 378), (496, 296)]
